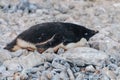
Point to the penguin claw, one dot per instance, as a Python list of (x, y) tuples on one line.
[(30, 49), (40, 50)]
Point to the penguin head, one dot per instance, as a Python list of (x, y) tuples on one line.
[(89, 33)]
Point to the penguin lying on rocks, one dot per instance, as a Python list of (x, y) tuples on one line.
[(50, 35)]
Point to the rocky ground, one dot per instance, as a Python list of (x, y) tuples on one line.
[(99, 61)]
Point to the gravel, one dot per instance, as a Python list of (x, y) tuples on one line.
[(97, 59)]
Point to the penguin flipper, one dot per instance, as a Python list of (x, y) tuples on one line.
[(56, 40)]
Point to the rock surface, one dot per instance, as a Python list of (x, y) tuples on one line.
[(85, 55), (97, 59)]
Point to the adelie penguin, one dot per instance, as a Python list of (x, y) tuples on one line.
[(50, 35)]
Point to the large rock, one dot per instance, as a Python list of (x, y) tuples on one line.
[(12, 65), (31, 60), (84, 55), (24, 61), (107, 40), (4, 55)]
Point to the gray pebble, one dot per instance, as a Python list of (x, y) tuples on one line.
[(70, 74)]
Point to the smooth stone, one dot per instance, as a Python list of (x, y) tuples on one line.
[(84, 55), (4, 55), (31, 60), (56, 64), (63, 75), (90, 68), (2, 69), (80, 76), (70, 74), (109, 73), (7, 73)]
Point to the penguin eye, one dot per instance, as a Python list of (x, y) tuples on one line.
[(86, 34)]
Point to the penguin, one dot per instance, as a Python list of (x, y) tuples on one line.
[(47, 35)]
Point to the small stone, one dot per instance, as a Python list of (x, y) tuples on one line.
[(90, 68), (105, 77), (48, 74), (116, 5), (71, 6), (2, 69), (70, 74), (56, 77), (41, 68), (61, 17), (56, 64), (10, 78), (47, 65), (17, 53), (39, 12), (118, 77), (63, 75), (112, 67), (60, 51), (7, 73), (109, 73), (80, 76), (44, 76), (49, 56), (62, 8), (4, 55), (12, 65), (16, 76), (23, 75), (75, 69)]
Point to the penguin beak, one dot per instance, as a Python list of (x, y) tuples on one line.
[(96, 31)]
